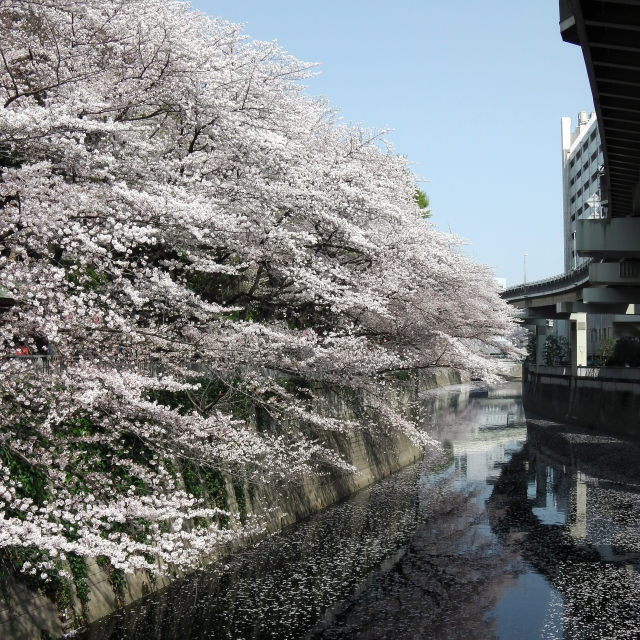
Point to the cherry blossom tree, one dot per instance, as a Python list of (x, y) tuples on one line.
[(202, 246)]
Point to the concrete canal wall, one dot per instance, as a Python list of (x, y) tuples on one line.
[(607, 398), (28, 615)]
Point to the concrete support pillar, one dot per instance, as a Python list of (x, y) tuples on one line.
[(578, 341), (542, 331)]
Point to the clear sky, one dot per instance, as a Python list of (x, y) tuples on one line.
[(474, 93)]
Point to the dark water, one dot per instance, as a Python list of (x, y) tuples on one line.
[(523, 530)]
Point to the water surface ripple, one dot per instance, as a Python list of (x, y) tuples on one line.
[(522, 530)]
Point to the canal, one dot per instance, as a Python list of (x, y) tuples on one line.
[(519, 529)]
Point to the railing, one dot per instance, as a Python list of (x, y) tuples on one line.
[(48, 364), (610, 373), (547, 370), (570, 280), (43, 363), (600, 373)]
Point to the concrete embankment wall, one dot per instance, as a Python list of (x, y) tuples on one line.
[(374, 455), (607, 403)]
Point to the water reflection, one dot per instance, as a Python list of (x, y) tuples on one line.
[(453, 576), (518, 531), (578, 516)]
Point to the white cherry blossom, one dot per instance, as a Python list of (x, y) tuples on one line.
[(177, 212)]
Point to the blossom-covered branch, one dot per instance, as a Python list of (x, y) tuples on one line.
[(203, 246)]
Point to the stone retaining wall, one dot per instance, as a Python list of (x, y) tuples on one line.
[(604, 403), (31, 615)]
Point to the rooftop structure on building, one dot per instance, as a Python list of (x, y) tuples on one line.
[(582, 166)]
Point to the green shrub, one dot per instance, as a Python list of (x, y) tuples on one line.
[(605, 349), (531, 347), (626, 352), (79, 571), (116, 579), (555, 351)]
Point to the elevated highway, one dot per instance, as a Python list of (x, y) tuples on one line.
[(594, 287), (608, 32)]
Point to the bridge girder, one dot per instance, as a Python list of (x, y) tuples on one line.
[(617, 238), (608, 33)]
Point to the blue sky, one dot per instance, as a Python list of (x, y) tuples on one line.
[(474, 93)]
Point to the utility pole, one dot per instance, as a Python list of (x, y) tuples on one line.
[(525, 268)]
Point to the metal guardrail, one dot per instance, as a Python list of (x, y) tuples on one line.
[(43, 363), (48, 364), (599, 373), (570, 280)]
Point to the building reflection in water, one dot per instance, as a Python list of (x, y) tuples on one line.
[(518, 530), (578, 518)]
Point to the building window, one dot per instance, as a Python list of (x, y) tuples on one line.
[(573, 199), (578, 174), (628, 269), (594, 155), (585, 166), (585, 145), (592, 137), (578, 155), (579, 193), (573, 161)]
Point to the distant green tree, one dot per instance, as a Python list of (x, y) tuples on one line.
[(626, 352), (531, 348), (605, 349), (422, 200), (555, 351)]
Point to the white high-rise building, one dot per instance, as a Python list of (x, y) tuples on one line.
[(581, 160), (581, 165)]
